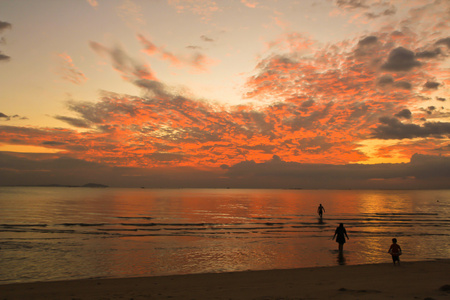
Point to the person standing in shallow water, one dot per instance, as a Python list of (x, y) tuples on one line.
[(320, 210), (395, 251), (340, 235)]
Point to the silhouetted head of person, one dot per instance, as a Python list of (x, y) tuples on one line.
[(394, 240), (341, 225)]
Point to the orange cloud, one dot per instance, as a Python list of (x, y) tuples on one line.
[(195, 61), (320, 106), (68, 71), (251, 4), (93, 3)]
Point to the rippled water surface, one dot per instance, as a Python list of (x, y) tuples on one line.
[(66, 233)]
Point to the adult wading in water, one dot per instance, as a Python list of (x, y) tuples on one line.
[(320, 210), (340, 235)]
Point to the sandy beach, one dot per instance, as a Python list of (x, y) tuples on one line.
[(411, 280)]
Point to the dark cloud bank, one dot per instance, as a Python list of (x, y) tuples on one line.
[(422, 172), (392, 128)]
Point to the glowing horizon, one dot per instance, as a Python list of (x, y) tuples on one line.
[(205, 85)]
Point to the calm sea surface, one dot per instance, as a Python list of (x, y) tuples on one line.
[(68, 233)]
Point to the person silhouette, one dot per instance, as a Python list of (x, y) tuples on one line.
[(395, 250), (320, 210), (341, 233)]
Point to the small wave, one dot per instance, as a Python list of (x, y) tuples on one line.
[(82, 224), (224, 228), (139, 224), (406, 214), (172, 224), (52, 230), (117, 229), (140, 229), (180, 229), (135, 218), (23, 225)]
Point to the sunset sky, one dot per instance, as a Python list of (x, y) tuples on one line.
[(239, 93)]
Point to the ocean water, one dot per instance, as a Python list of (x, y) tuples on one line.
[(70, 233)]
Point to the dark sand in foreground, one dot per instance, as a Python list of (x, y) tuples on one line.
[(411, 280)]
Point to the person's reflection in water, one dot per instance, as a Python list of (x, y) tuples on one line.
[(341, 259)]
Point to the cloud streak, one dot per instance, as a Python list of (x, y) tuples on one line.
[(9, 117), (196, 61), (68, 71)]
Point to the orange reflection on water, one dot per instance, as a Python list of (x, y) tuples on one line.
[(241, 230), (134, 232), (384, 202)]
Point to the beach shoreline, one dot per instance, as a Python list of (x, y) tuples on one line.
[(411, 280)]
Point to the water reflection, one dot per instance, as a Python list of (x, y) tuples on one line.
[(135, 232)]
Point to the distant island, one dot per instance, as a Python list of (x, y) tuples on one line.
[(89, 185), (94, 185)]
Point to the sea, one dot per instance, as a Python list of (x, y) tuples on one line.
[(63, 233)]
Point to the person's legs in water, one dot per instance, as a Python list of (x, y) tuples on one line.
[(396, 258)]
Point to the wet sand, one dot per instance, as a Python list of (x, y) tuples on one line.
[(411, 280)]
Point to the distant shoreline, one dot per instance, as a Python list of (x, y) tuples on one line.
[(89, 185), (96, 185)]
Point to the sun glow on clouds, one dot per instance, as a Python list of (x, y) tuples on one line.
[(382, 152), (363, 100), (27, 149)]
